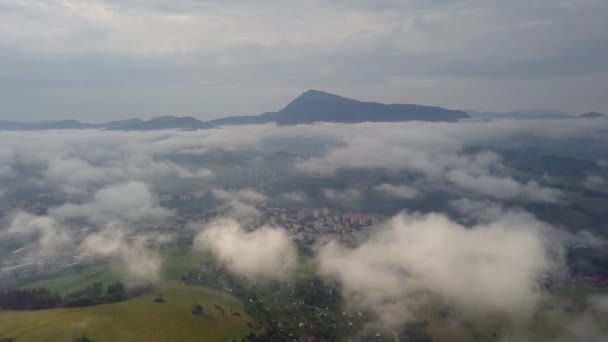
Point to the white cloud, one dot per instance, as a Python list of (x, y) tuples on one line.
[(44, 234), (237, 57), (143, 264), (493, 267), (241, 204), (127, 201), (397, 191), (298, 197), (594, 182), (347, 196), (503, 188), (264, 253)]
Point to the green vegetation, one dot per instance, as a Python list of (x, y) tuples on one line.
[(138, 319), (177, 261), (105, 273), (234, 309)]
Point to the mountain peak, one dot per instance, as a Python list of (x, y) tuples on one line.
[(593, 115), (319, 106), (314, 91)]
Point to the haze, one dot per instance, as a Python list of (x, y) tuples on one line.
[(98, 60)]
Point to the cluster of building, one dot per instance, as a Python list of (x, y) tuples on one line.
[(309, 225), (35, 204), (595, 280)]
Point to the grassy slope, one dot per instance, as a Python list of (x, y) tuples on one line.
[(105, 273), (177, 261), (139, 319)]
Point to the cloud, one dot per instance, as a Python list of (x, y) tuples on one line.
[(45, 235), (587, 325), (343, 197), (417, 259), (80, 162), (297, 197), (143, 264), (241, 204), (244, 195), (266, 253), (503, 188), (396, 191), (128, 201), (594, 182), (478, 210), (231, 57), (464, 154), (100, 228), (439, 154)]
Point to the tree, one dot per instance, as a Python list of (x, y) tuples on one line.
[(197, 309), (116, 291), (159, 299), (82, 338)]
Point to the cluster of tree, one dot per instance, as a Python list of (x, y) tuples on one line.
[(159, 299), (92, 291), (197, 309), (318, 305), (81, 338), (37, 299), (28, 299), (318, 313), (114, 293)]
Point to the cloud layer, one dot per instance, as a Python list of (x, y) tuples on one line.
[(262, 254), (418, 259)]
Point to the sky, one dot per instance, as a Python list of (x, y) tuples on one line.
[(98, 60)]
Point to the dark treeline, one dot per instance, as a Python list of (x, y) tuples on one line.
[(28, 299), (41, 298)]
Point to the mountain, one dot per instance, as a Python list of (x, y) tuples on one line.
[(45, 125), (317, 106), (122, 124), (520, 115), (592, 115), (160, 123), (311, 106)]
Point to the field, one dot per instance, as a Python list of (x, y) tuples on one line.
[(139, 319), (105, 273), (177, 261)]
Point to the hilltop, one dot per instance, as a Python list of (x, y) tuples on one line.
[(311, 106), (318, 106), (592, 115)]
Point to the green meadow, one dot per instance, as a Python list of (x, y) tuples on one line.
[(138, 319)]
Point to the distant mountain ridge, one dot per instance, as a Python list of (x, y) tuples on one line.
[(310, 107), (592, 115), (520, 115), (318, 106), (160, 123)]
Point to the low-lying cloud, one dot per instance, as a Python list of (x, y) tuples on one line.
[(143, 264), (396, 191), (266, 253), (416, 259), (100, 229), (241, 204), (128, 201)]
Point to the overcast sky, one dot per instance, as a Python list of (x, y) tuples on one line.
[(105, 59)]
